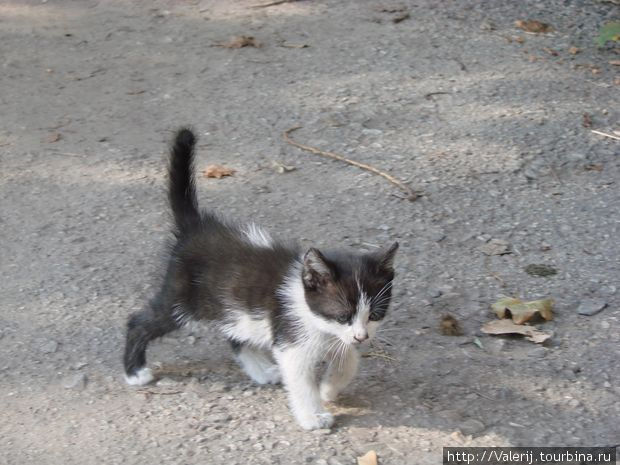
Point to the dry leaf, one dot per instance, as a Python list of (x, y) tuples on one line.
[(520, 311), (369, 458), (587, 120), (448, 326), (593, 167), (460, 437), (617, 81), (218, 171), (519, 39), (551, 52), (53, 138), (531, 25), (240, 42), (498, 327), (574, 50), (282, 168), (401, 18), (615, 62), (595, 70)]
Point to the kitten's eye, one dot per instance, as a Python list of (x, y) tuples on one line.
[(342, 319), (377, 314)]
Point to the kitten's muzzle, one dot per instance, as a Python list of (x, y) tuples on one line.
[(361, 337)]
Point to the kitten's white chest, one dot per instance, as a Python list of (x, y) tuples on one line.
[(243, 327)]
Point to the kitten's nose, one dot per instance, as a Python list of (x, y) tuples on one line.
[(361, 337)]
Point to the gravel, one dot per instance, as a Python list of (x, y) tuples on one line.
[(488, 127)]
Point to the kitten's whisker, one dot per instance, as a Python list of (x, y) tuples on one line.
[(382, 339), (331, 350), (382, 301), (386, 330), (342, 355), (383, 290)]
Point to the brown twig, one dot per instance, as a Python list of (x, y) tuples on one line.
[(265, 5), (161, 393), (482, 395), (605, 134), (430, 94), (411, 194)]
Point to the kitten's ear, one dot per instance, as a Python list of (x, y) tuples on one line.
[(317, 270), (386, 257)]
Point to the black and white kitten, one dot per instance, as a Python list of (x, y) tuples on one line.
[(284, 310)]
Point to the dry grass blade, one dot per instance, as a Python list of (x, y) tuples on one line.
[(159, 393), (605, 134), (411, 194)]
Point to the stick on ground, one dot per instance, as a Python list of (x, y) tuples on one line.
[(411, 194), (265, 5), (604, 134)]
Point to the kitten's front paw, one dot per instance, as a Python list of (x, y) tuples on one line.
[(316, 420), (328, 392)]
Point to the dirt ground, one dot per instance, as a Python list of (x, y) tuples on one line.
[(483, 118)]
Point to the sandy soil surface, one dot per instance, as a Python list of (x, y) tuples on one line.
[(483, 118)]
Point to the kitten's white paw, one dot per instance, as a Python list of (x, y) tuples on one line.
[(143, 376), (328, 392), (316, 420)]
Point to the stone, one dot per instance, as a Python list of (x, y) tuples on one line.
[(471, 426), (218, 387), (79, 365), (220, 417), (496, 247), (167, 382), (372, 132), (77, 382), (434, 292), (49, 347), (537, 352), (589, 307)]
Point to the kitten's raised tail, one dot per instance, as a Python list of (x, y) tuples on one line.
[(181, 187)]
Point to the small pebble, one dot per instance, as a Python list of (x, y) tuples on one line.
[(49, 347), (77, 382), (589, 307), (167, 382), (472, 426)]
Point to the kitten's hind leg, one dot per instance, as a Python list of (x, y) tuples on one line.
[(257, 363), (142, 328), (339, 373)]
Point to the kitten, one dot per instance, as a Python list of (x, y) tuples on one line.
[(282, 309)]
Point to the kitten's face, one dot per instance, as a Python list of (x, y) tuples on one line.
[(350, 294)]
